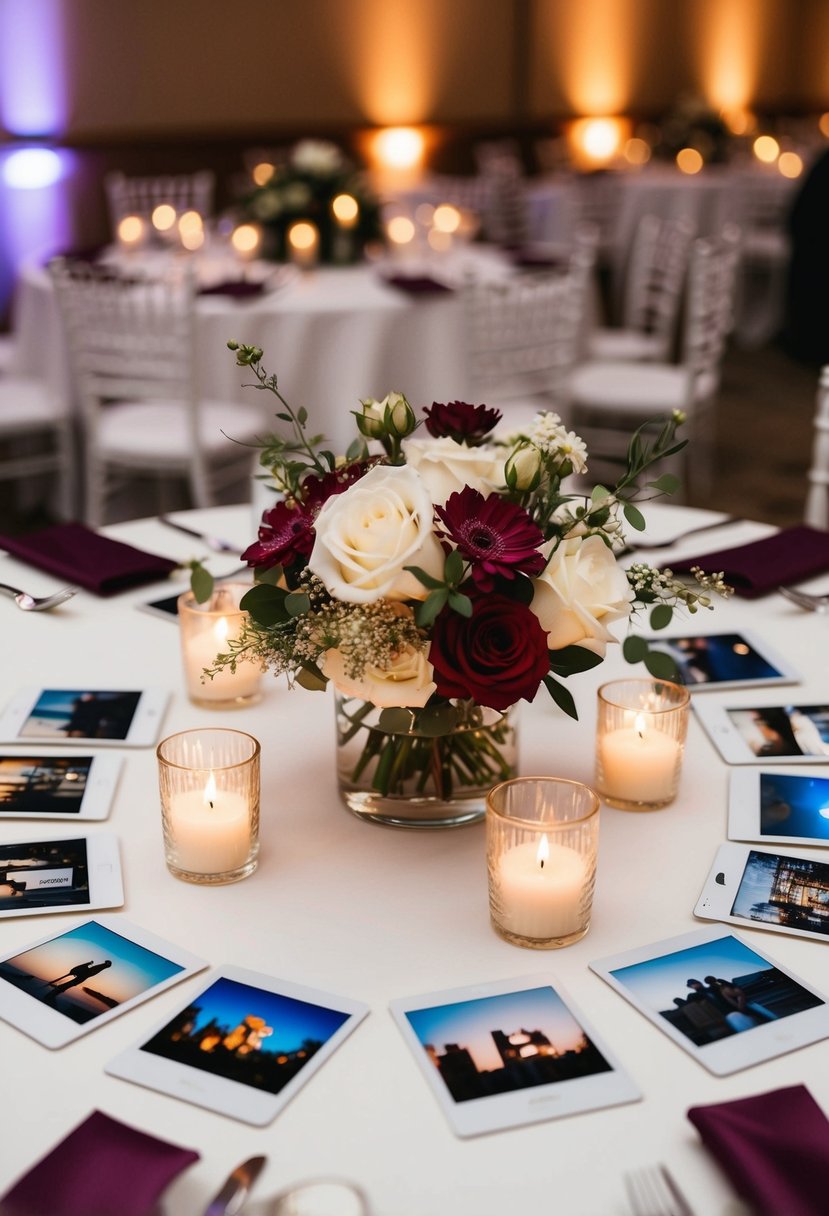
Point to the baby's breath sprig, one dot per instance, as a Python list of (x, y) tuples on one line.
[(664, 593)]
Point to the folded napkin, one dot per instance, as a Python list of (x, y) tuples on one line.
[(239, 289), (789, 556), (774, 1148), (528, 259), (81, 556), (102, 1168), (417, 285)]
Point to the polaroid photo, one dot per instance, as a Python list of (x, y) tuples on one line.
[(724, 660), (57, 787), (719, 999), (784, 734), (761, 890), (112, 717), (509, 1053), (60, 875), (243, 1046), (779, 807), (63, 986)]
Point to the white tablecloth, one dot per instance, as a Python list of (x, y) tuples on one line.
[(374, 914), (333, 336)]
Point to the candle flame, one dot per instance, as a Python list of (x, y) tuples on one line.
[(640, 725), (221, 629), (543, 851), (210, 791)]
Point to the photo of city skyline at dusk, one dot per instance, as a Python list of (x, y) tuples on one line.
[(247, 1034), (794, 805), (513, 1040), (788, 891), (87, 971), (47, 785)]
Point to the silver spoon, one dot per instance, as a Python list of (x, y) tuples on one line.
[(804, 599), (33, 603)]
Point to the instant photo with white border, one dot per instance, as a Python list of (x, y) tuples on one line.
[(788, 733), (760, 889), (53, 991), (778, 806), (60, 874), (512, 1052), (720, 661), (84, 716), (719, 999), (243, 1046), (51, 786)]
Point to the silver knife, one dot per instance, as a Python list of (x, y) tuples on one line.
[(230, 1199), (212, 542)]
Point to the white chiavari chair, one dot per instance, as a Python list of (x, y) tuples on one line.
[(141, 195), (817, 498)]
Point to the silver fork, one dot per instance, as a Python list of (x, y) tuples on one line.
[(653, 1192), (35, 603), (652, 546), (804, 599)]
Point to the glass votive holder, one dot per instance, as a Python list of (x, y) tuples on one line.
[(209, 785), (542, 842), (639, 742), (321, 1197), (206, 631)]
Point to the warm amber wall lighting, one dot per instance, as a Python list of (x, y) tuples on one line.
[(595, 142), (766, 148), (790, 164), (823, 123), (727, 41), (688, 160), (399, 147), (740, 121)]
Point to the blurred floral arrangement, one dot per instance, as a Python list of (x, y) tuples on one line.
[(692, 123), (303, 187)]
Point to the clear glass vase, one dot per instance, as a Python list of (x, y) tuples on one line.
[(422, 768)]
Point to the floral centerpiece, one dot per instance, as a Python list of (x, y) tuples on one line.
[(437, 579), (304, 187)]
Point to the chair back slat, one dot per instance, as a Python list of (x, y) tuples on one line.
[(817, 498), (141, 195)]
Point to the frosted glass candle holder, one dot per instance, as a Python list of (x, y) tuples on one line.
[(640, 742), (207, 631), (209, 785), (542, 842)]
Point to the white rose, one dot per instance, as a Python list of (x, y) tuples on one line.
[(367, 534), (407, 682), (580, 592), (446, 466)]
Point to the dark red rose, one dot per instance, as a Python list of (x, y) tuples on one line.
[(496, 536), (469, 424), (317, 490), (285, 534), (497, 656)]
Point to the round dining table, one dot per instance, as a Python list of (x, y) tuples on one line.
[(373, 914)]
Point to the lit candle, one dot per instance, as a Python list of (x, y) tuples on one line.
[(163, 217), (246, 240), (541, 889), (131, 232), (639, 763), (211, 829), (303, 243), (206, 632), (346, 211)]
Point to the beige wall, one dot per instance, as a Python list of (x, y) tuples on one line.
[(138, 67)]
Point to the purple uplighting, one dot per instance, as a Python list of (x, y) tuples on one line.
[(32, 81)]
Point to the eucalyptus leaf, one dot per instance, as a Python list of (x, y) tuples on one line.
[(569, 660), (460, 603), (297, 603), (201, 583), (634, 648), (600, 493), (423, 577), (434, 603), (266, 604), (660, 665), (634, 517), (661, 616), (667, 483), (453, 570), (437, 720), (396, 721), (271, 577), (311, 678)]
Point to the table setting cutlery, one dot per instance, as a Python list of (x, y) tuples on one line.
[(216, 543), (232, 1195), (35, 603), (652, 546), (805, 599), (653, 1192)]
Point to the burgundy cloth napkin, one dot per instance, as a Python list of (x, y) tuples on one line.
[(239, 289), (417, 285), (87, 559), (527, 259), (774, 1147), (789, 556), (102, 1168)]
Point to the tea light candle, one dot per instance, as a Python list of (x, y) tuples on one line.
[(541, 889), (205, 633), (303, 243), (131, 232), (210, 829), (639, 763)]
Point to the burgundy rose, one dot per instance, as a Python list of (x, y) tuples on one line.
[(285, 534), (496, 536), (317, 490), (497, 656), (469, 424)]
